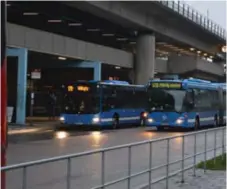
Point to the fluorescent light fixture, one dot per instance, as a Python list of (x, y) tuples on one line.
[(93, 30), (192, 49), (205, 54), (55, 21), (168, 45), (117, 67), (30, 13), (122, 39), (209, 60), (161, 43), (61, 58), (132, 42), (75, 24), (198, 52), (211, 57), (107, 34)]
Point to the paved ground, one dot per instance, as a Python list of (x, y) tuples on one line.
[(86, 172), (208, 180)]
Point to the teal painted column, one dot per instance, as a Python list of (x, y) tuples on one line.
[(97, 66), (21, 54)]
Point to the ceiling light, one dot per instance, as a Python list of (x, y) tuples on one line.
[(168, 45), (198, 52), (211, 57), (107, 34), (61, 58), (209, 60), (93, 30), (75, 24), (192, 49), (55, 21), (132, 42), (122, 39), (117, 67), (224, 49), (205, 54), (161, 43), (30, 13)]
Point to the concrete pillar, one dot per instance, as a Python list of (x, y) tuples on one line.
[(145, 58), (21, 54)]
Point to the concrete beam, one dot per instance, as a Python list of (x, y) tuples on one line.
[(129, 16), (46, 42)]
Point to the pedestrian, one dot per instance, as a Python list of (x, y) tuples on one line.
[(52, 105)]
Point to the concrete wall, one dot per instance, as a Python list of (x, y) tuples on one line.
[(209, 67), (161, 66), (182, 64), (41, 41)]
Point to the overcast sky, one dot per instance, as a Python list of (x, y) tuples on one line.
[(216, 9)]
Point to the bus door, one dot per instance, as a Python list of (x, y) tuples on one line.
[(221, 106)]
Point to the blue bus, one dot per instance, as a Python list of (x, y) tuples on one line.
[(189, 103), (103, 103)]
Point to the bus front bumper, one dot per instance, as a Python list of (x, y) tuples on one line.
[(178, 123)]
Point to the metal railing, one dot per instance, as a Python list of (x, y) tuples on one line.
[(196, 17), (150, 168)]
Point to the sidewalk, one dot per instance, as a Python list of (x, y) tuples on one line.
[(34, 126), (208, 180)]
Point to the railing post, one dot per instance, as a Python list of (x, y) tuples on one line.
[(195, 144), (223, 143), (215, 138), (103, 169), (129, 165), (205, 152), (167, 165), (24, 184), (182, 163), (68, 173), (150, 166)]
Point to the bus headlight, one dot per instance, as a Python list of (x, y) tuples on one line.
[(145, 114), (96, 119), (179, 121), (150, 120), (62, 119)]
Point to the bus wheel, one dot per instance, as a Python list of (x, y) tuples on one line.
[(197, 124), (115, 122)]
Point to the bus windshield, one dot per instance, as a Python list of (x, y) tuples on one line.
[(171, 100), (78, 103)]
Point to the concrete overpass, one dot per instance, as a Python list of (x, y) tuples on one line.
[(166, 26), (127, 34)]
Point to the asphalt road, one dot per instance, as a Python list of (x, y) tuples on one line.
[(86, 171)]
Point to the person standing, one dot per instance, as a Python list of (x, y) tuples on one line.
[(52, 105)]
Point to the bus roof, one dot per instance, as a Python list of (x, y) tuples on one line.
[(194, 83), (112, 83)]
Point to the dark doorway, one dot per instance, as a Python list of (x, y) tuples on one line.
[(12, 67)]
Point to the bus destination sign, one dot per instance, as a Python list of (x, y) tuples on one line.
[(166, 85), (82, 88)]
